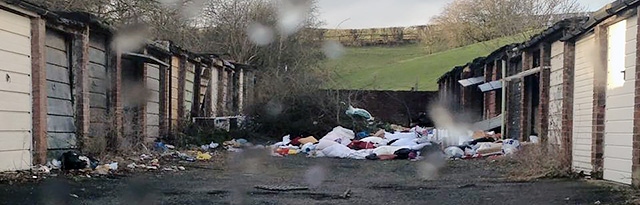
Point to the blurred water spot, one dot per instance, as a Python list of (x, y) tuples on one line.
[(426, 171), (274, 108), (259, 34), (169, 3), (333, 49), (193, 8), (315, 176), (292, 14), (130, 39)]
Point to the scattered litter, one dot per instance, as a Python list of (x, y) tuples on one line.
[(597, 203), (454, 152), (152, 167), (44, 169), (213, 145), (466, 186), (170, 146), (73, 161), (181, 168), (281, 188), (132, 166), (113, 166), (102, 170), (346, 194), (155, 162), (73, 195), (55, 164), (510, 146), (204, 156)]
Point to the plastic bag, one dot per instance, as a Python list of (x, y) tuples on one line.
[(510, 146), (454, 152)]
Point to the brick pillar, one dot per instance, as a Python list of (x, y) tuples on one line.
[(567, 101), (599, 103), (636, 120), (524, 109), (195, 105), (543, 107), (80, 61), (182, 74), (115, 69), (39, 90), (165, 88)]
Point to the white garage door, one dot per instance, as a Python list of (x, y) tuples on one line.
[(15, 92), (618, 138), (583, 104), (153, 103)]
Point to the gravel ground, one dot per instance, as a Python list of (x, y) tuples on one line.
[(369, 182)]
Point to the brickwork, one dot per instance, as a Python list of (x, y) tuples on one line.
[(543, 107), (599, 103), (635, 174), (182, 74), (115, 67), (524, 98), (567, 100), (80, 61), (39, 90)]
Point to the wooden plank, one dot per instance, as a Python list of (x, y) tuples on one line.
[(98, 100), (57, 57), (153, 120), (15, 43), (61, 140), (153, 85), (15, 63), (17, 102), (153, 71), (14, 82), (97, 56), (59, 107), (58, 90), (153, 108), (154, 97), (56, 40), (98, 86), (153, 131), (15, 23), (97, 71), (61, 124), (58, 74), (15, 160), (18, 140), (15, 121), (97, 41)]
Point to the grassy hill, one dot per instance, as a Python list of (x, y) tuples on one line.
[(404, 67)]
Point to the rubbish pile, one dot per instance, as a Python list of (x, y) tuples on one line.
[(403, 143), (484, 144), (344, 143)]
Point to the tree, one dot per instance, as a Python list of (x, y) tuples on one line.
[(471, 21)]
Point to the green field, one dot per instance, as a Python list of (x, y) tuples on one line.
[(402, 68)]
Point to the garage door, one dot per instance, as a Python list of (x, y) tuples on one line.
[(153, 103), (61, 127), (618, 138), (188, 87), (15, 92), (583, 104), (175, 73), (99, 87)]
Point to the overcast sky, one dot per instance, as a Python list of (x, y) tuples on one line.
[(389, 13)]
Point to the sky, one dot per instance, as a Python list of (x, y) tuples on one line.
[(353, 14)]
